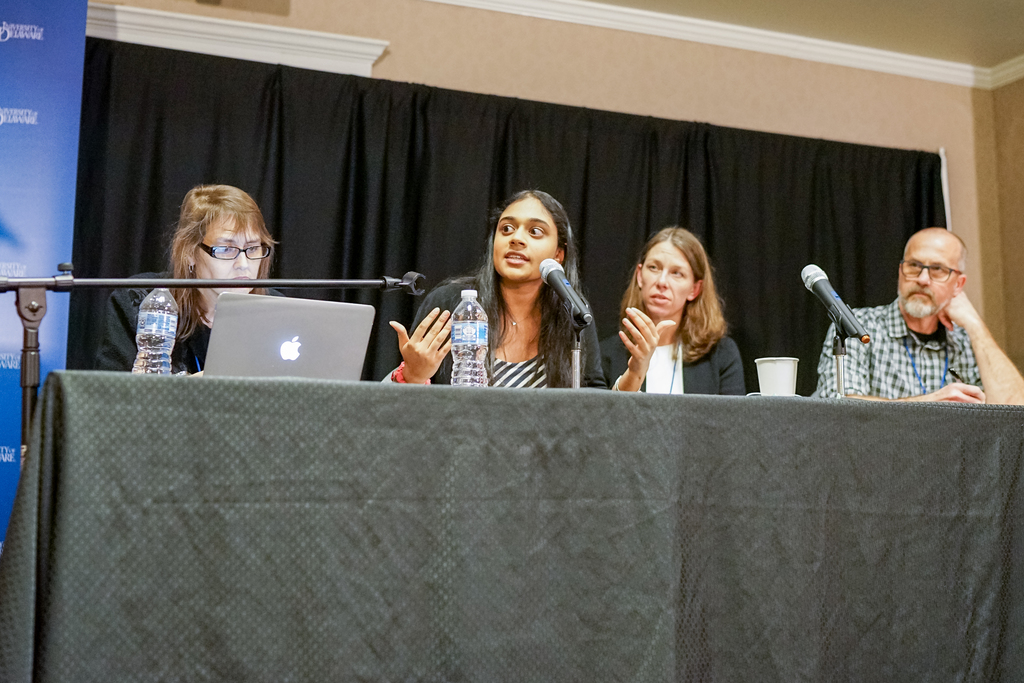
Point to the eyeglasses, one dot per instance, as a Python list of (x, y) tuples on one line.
[(912, 269), (224, 253)]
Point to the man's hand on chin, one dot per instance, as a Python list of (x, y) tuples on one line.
[(959, 310)]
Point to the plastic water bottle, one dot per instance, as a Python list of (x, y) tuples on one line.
[(469, 342), (154, 335)]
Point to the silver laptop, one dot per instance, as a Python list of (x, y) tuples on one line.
[(273, 336)]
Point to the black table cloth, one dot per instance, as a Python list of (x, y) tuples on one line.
[(177, 529)]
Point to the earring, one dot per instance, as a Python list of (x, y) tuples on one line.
[(191, 269)]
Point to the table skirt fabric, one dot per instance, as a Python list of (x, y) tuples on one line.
[(176, 529)]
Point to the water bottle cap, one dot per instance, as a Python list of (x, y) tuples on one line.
[(469, 293)]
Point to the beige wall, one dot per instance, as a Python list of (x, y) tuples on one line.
[(989, 226), (1008, 109), (503, 54)]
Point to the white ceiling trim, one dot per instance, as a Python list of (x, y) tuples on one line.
[(758, 40), (235, 39), (1007, 72)]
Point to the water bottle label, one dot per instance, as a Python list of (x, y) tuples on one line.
[(469, 332), (163, 324)]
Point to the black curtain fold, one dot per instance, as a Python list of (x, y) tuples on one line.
[(358, 178)]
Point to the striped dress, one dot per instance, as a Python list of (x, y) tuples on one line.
[(529, 373)]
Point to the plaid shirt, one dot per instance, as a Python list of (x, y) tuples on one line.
[(886, 366)]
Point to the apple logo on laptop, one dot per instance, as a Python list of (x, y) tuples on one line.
[(290, 349)]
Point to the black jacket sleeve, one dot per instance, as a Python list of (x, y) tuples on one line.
[(445, 297), (614, 359), (593, 375), (729, 367), (117, 351)]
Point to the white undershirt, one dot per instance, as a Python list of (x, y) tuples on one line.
[(662, 369)]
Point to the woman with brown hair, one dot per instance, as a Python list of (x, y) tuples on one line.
[(220, 236), (672, 336)]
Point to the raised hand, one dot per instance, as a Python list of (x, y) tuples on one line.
[(424, 350), (640, 337)]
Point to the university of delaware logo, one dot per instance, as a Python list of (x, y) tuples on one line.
[(26, 116), (19, 32)]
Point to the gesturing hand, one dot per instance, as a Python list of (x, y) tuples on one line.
[(641, 341), (426, 348)]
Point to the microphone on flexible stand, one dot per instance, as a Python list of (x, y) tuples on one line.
[(579, 313), (846, 322), (552, 272)]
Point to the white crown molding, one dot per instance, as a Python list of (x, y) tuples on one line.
[(235, 39), (1007, 72), (741, 37)]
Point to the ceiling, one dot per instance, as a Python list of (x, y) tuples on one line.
[(983, 33)]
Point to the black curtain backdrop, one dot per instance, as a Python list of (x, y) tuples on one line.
[(358, 178)]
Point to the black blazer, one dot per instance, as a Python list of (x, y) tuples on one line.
[(720, 371)]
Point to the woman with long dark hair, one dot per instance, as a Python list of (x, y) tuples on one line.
[(672, 336), (220, 235), (529, 332)]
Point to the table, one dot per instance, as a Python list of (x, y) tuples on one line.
[(291, 530)]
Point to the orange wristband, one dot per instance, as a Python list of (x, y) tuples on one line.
[(399, 376)]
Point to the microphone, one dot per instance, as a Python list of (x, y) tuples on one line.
[(846, 322), (552, 272)]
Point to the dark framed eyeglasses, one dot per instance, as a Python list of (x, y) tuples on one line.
[(913, 269), (225, 253)]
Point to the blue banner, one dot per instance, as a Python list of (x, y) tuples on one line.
[(42, 49)]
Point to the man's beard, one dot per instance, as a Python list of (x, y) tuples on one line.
[(916, 308)]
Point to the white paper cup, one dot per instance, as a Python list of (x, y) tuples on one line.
[(777, 376)]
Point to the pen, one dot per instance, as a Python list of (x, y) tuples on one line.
[(956, 376)]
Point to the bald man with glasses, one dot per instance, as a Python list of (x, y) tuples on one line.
[(930, 344)]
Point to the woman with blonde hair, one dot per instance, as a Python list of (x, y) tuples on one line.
[(672, 336), (220, 236)]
